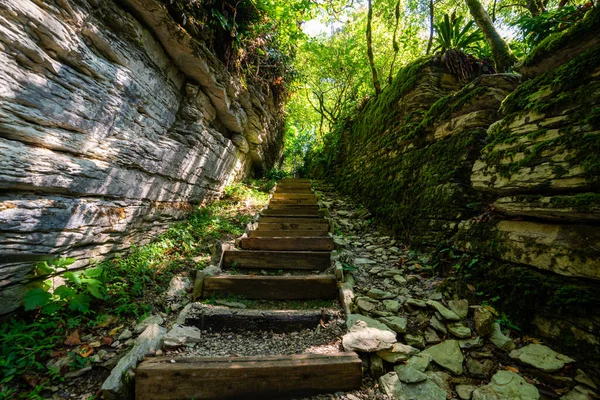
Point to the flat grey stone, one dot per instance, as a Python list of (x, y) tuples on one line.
[(379, 294), (464, 392), (397, 324), (541, 357), (366, 304), (500, 339), (370, 322), (149, 340), (459, 330), (391, 305), (425, 390), (368, 340), (420, 361), (181, 335), (408, 374), (444, 312), (471, 343), (507, 385), (459, 307), (580, 393), (397, 352), (389, 383), (447, 355), (150, 320)]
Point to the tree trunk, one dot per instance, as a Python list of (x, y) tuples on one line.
[(395, 42), (431, 21), (370, 50), (503, 57)]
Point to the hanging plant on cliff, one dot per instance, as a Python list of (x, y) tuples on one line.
[(454, 40), (452, 34)]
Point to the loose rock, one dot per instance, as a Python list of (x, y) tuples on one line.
[(541, 357), (507, 385), (447, 355)]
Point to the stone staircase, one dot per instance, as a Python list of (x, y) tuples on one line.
[(283, 259)]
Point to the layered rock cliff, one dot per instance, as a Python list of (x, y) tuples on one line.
[(114, 121), (505, 166)]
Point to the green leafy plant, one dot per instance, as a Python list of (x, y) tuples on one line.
[(77, 293), (453, 34), (536, 28)]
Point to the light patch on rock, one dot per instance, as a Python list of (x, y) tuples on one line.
[(541, 357), (507, 385), (447, 355), (368, 340)]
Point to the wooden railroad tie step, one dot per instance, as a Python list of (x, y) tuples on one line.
[(293, 213), (260, 259), (293, 220), (287, 243), (292, 190), (220, 319), (294, 180), (287, 233), (295, 196), (309, 287), (264, 377), (317, 225), (301, 207), (293, 201)]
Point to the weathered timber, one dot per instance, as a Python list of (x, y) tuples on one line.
[(294, 180), (218, 318), (201, 378), (287, 243), (287, 233), (319, 225), (272, 287), (260, 259), (293, 213), (293, 201), (299, 190), (292, 221), (306, 196), (304, 207)]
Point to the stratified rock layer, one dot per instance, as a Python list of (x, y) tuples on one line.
[(108, 133)]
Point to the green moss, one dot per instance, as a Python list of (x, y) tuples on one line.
[(586, 28), (551, 94), (579, 202), (593, 118), (381, 113)]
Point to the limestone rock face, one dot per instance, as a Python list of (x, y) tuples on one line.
[(113, 121)]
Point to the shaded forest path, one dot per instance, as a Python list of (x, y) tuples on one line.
[(399, 326)]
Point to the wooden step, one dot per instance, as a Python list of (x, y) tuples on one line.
[(200, 378), (293, 201), (294, 180), (318, 225), (218, 319), (293, 213), (302, 196), (293, 220), (287, 233), (309, 287), (305, 207), (288, 243), (260, 259), (291, 189)]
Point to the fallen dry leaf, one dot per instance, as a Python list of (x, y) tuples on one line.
[(114, 331), (471, 287), (96, 343), (109, 320), (73, 339), (86, 351), (513, 369), (107, 341)]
